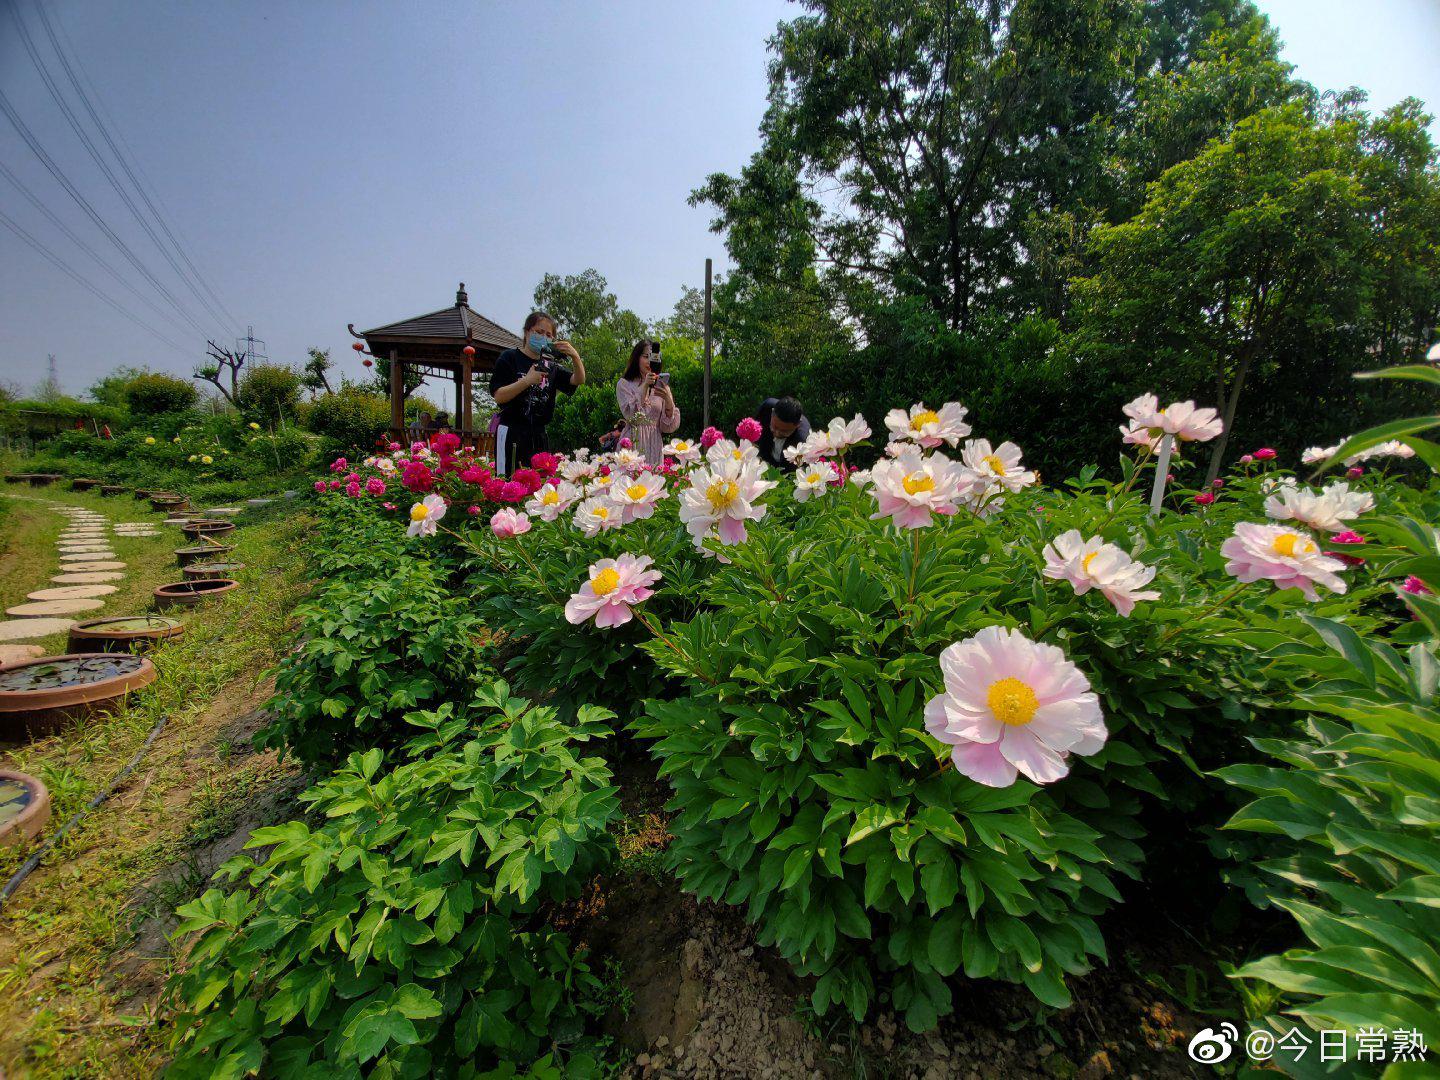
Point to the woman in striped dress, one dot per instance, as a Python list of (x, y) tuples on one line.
[(647, 404)]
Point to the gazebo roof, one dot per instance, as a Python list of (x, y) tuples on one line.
[(457, 325)]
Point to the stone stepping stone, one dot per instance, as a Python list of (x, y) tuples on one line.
[(92, 578), (71, 592), (71, 549), (259, 502), (90, 567), (20, 629), (87, 556), (176, 521), (53, 607), (13, 654), (223, 511)]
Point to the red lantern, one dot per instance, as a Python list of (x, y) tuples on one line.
[(358, 346), (469, 350), (369, 363)]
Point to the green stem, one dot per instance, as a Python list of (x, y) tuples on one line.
[(660, 636), (1216, 606)]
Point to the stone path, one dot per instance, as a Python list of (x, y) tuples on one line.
[(86, 563)]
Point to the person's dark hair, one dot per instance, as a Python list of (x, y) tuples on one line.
[(533, 318), (632, 369), (442, 418), (788, 410)]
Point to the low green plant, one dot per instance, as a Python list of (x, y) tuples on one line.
[(405, 934)]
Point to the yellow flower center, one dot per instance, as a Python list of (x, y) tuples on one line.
[(605, 582), (1012, 702), (737, 454), (1085, 562), (917, 482), (995, 464), (1292, 544), (920, 419), (682, 446), (813, 478), (602, 513), (637, 491), (722, 494), (419, 512), (549, 497)]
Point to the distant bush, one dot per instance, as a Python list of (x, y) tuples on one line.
[(349, 419), (152, 394), (269, 392)]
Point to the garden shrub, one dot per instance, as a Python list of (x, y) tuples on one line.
[(153, 394), (349, 420), (268, 394), (404, 934), (372, 647)]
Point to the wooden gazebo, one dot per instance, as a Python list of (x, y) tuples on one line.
[(433, 345)]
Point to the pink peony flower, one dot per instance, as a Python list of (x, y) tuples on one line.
[(1349, 537), (552, 500), (1285, 556), (749, 429), (1354, 472), (447, 442), (339, 465), (507, 523), (473, 511), (352, 478), (392, 447), (1416, 587), (1205, 498), (1217, 483), (613, 587), (475, 474), (721, 498), (1326, 510), (1181, 419), (635, 497), (512, 492), (1094, 564), (417, 477), (910, 488), (388, 506), (928, 427), (321, 485), (1011, 706), (375, 486), (625, 443), (493, 487), (1247, 459), (353, 489), (1265, 453), (335, 485), (709, 437)]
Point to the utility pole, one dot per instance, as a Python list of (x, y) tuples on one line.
[(250, 347), (709, 345)]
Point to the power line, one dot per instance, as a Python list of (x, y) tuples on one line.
[(121, 158), (59, 174), (99, 159), (14, 227), (39, 205)]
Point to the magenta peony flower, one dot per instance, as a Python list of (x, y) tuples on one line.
[(512, 492), (353, 489), (1205, 498), (1354, 472), (375, 486), (352, 478), (1264, 454), (320, 485), (335, 485), (1217, 483), (339, 465), (625, 443), (393, 447), (1416, 587), (417, 476), (529, 479), (475, 474), (749, 429), (1247, 459), (1350, 537), (545, 463), (493, 487), (473, 511), (709, 437), (447, 442), (613, 587), (507, 523), (1011, 706)]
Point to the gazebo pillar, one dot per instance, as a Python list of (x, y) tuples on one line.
[(467, 375), (397, 395)]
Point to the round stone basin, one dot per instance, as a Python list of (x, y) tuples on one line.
[(206, 527), (167, 502), (112, 489), (42, 479), (38, 697), (186, 555), (83, 483), (123, 633), (192, 592), (200, 571), (24, 807)]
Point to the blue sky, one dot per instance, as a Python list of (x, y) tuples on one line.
[(328, 163)]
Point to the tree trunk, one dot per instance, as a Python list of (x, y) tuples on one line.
[(1217, 452)]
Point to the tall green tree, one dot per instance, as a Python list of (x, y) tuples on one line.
[(1261, 258), (577, 302)]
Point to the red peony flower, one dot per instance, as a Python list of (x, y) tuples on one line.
[(749, 429), (545, 463), (513, 492), (1205, 498), (529, 479)]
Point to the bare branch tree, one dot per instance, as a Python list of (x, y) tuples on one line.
[(226, 361)]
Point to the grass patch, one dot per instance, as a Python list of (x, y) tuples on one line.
[(73, 1000)]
